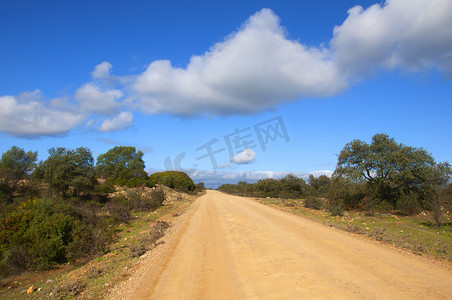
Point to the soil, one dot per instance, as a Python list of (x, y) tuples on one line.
[(228, 247)]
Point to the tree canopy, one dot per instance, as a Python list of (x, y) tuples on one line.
[(17, 163), (173, 179), (122, 162), (65, 169), (393, 171)]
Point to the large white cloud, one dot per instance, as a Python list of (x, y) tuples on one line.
[(252, 70), (95, 100), (258, 67), (415, 35), (255, 69), (27, 115)]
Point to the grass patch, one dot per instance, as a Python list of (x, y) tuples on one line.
[(417, 233)]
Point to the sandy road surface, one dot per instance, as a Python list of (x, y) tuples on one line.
[(235, 248)]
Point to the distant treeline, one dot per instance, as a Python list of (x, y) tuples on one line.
[(60, 210), (383, 176), (288, 187)]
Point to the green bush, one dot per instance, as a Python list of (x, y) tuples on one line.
[(88, 240), (408, 204), (313, 203), (105, 188), (42, 233), (174, 180), (158, 197), (15, 260), (119, 209), (150, 240), (336, 207)]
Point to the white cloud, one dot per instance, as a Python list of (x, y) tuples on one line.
[(95, 100), (316, 174), (244, 157), (415, 35), (27, 115), (258, 67), (122, 121), (102, 71), (254, 69)]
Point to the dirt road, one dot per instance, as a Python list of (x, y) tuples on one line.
[(229, 247)]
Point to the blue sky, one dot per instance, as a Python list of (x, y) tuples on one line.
[(169, 77)]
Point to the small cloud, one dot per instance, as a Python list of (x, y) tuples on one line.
[(111, 142), (102, 71), (145, 149), (223, 166), (122, 121), (316, 174), (244, 157)]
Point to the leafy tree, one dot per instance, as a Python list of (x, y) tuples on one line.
[(15, 165), (319, 185), (121, 162), (200, 186), (173, 179), (393, 171), (269, 187), (292, 186), (68, 169), (18, 163)]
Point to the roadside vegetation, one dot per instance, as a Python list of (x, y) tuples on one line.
[(93, 278), (67, 209), (387, 190), (417, 233)]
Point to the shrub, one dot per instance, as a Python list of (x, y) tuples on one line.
[(174, 180), (377, 233), (158, 230), (48, 237), (408, 204), (119, 209), (149, 241), (68, 290), (15, 260), (354, 229), (105, 188), (336, 207), (88, 240), (158, 197), (141, 200), (313, 203)]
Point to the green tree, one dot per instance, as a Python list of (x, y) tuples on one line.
[(269, 187), (18, 163), (121, 162), (319, 185), (393, 171), (68, 169), (174, 180), (15, 165), (292, 187), (200, 186)]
